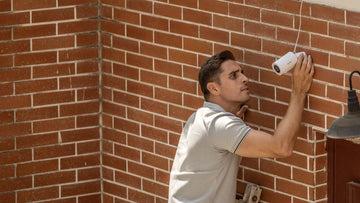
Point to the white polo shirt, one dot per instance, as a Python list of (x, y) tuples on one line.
[(205, 166)]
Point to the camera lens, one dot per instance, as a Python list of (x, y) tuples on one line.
[(277, 69)]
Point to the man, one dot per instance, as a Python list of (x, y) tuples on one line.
[(215, 138)]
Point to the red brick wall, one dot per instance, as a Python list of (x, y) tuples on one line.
[(49, 101), (55, 54)]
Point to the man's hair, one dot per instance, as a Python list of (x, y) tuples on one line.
[(211, 69)]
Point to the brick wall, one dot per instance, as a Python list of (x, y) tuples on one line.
[(49, 101), (56, 54)]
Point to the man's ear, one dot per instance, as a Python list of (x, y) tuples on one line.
[(213, 88)]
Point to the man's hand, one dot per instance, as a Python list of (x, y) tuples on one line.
[(242, 111), (302, 75)]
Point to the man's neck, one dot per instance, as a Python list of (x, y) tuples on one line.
[(227, 106)]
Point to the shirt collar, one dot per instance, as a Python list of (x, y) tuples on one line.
[(213, 106)]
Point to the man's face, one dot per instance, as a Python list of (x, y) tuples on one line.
[(233, 83)]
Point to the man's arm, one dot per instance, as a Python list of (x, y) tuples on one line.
[(261, 144)]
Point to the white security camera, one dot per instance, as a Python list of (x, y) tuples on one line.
[(286, 62)]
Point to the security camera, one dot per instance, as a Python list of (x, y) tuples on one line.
[(286, 62)]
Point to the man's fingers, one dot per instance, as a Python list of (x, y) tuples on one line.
[(309, 64), (242, 110)]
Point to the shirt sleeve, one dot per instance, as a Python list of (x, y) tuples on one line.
[(227, 131)]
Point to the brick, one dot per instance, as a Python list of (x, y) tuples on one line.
[(127, 99), (325, 106), (79, 81), (272, 107), (184, 28), (86, 121), (138, 196), (260, 29), (182, 85), (114, 136), (276, 18), (87, 39), (35, 86), (114, 55), (35, 58), (139, 61), (140, 116), (12, 19), (291, 36), (126, 44), (139, 33), (53, 98), (197, 46), (273, 196), (15, 184), (153, 50), (155, 161), (86, 11), (106, 11), (89, 198), (174, 139), (167, 10), (182, 57), (89, 173), (328, 44), (125, 71), (168, 96), (141, 89), (88, 147), (312, 25), (127, 16), (306, 177), (214, 6), (268, 77), (79, 108), (7, 144), (162, 177), (75, 2), (35, 167), (155, 188), (260, 119), (313, 118), (246, 12), (168, 124), (154, 22), (268, 4), (213, 35), (36, 140), (337, 94), (114, 162), (246, 41), (78, 26), (190, 72), (54, 151), (88, 67), (38, 194), (343, 63), (352, 18), (262, 90), (127, 126), (80, 161), (6, 116), (328, 13), (110, 107), (37, 113), (78, 54), (114, 189), (196, 16), (7, 172), (168, 67), (80, 188), (291, 188), (304, 147), (15, 157), (141, 170), (165, 150), (15, 102), (127, 152), (168, 39), (6, 61), (189, 3), (154, 134), (5, 5), (193, 102), (141, 143), (34, 31), (259, 178), (53, 70), (80, 135), (320, 58), (33, 4), (227, 23), (113, 27), (52, 15), (15, 47), (139, 5), (54, 125), (53, 43), (281, 48), (294, 7), (352, 49)]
